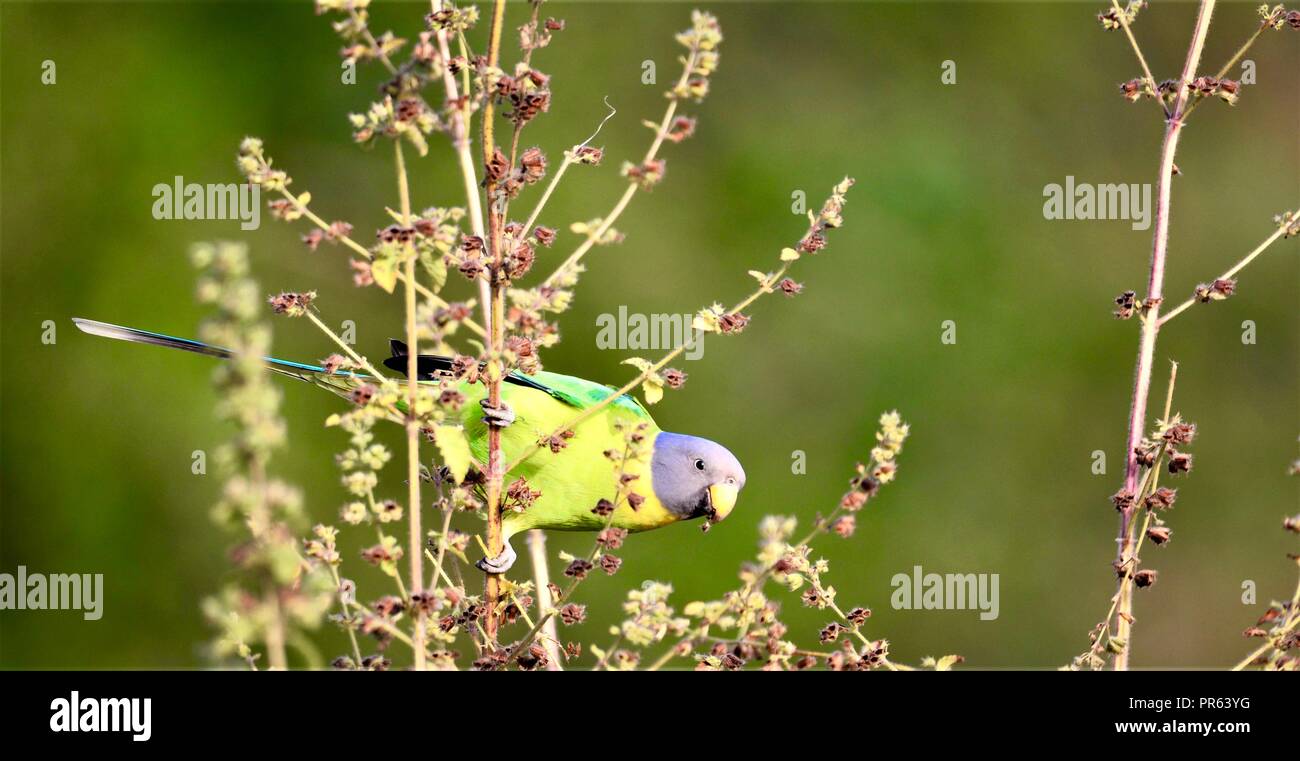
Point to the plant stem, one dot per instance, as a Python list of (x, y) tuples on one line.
[(686, 642), (460, 140), (1132, 41), (1293, 619), (394, 412), (347, 616), (387, 626), (372, 42), (548, 614), (415, 535), (603, 663), (1270, 643), (663, 660), (365, 254), (493, 58), (360, 360), (496, 473), (442, 548), (542, 580), (1128, 564), (1241, 51), (275, 652), (1234, 269), (565, 596), (573, 422), (1151, 318), (546, 194), (608, 221)]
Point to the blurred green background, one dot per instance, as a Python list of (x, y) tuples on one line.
[(945, 224)]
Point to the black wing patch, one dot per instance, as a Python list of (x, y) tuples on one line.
[(434, 366)]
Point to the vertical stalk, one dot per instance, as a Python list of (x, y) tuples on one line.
[(276, 655), (275, 651), (496, 471), (542, 579), (415, 538), (1151, 325), (460, 140)]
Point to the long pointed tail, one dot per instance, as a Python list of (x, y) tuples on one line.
[(338, 382), (430, 366)]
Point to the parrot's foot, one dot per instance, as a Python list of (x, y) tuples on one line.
[(499, 564), (498, 416)]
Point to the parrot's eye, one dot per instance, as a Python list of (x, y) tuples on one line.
[(699, 464)]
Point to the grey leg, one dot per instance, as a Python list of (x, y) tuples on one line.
[(497, 416), (499, 564)]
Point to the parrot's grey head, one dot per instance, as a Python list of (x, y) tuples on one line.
[(694, 477)]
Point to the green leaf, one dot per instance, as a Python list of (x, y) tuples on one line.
[(652, 385), (384, 271), (436, 268), (708, 318), (417, 139), (643, 365), (653, 389), (453, 446)]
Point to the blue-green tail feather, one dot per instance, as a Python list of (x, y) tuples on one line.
[(575, 392), (135, 335)]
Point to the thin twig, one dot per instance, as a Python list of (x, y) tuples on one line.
[(570, 158), (547, 615), (1272, 642), (367, 255), (1281, 231), (460, 140), (573, 422), (347, 617), (1132, 41), (608, 220), (371, 41), (1241, 51)]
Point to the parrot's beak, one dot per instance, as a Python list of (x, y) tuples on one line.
[(722, 498)]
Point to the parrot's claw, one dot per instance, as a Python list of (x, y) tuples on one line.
[(499, 564), (498, 416)]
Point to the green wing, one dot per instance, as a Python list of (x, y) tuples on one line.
[(546, 402), (580, 393)]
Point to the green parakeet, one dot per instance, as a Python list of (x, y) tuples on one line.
[(685, 477)]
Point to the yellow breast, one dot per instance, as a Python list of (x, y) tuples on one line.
[(652, 513)]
